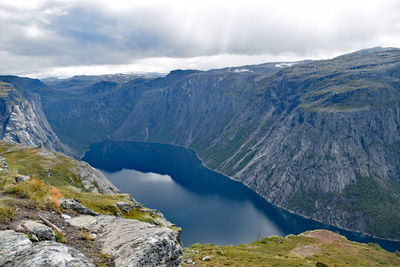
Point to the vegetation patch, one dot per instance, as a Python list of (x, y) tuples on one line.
[(301, 250)]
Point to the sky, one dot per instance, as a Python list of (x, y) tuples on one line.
[(62, 38)]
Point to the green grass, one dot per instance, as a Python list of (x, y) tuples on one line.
[(379, 202), (303, 250), (375, 198), (7, 211)]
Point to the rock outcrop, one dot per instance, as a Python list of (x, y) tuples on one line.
[(93, 179), (133, 243)]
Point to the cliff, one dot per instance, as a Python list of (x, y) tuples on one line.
[(319, 139), (22, 119)]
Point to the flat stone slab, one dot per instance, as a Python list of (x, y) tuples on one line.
[(17, 250), (81, 221), (11, 243), (49, 253)]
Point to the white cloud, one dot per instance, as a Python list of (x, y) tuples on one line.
[(40, 36)]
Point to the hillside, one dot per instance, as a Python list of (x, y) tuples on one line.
[(320, 248)]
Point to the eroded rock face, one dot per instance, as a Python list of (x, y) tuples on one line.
[(135, 243), (22, 119), (93, 179), (17, 250)]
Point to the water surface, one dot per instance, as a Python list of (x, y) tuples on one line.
[(209, 207)]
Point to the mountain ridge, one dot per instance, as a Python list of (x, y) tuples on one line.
[(318, 138)]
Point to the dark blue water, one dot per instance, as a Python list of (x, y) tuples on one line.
[(209, 207)]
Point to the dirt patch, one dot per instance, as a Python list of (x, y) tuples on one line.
[(324, 236), (305, 251)]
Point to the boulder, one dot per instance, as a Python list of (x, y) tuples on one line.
[(124, 206), (206, 258), (22, 178), (3, 164), (41, 231), (75, 205)]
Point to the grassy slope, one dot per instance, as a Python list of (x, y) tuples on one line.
[(316, 248), (43, 191)]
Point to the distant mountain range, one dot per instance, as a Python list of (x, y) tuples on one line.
[(318, 138)]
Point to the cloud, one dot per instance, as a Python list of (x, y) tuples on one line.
[(39, 36)]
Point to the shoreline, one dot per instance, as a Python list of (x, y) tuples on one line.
[(275, 205)]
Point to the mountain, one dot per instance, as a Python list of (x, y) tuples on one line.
[(318, 138), (22, 119)]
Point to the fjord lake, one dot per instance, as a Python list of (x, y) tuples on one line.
[(208, 206)]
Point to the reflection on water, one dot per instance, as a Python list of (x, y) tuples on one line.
[(209, 207), (204, 217)]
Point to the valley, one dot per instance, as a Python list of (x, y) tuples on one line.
[(318, 138)]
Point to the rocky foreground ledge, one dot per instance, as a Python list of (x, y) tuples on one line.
[(56, 211)]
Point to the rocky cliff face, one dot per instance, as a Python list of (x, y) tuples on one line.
[(317, 138), (21, 116)]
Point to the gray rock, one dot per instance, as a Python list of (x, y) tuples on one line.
[(23, 120), (17, 250), (3, 164), (65, 216), (189, 261), (135, 243), (22, 178), (81, 221), (11, 243), (75, 205), (206, 258), (43, 232), (93, 180), (49, 253), (124, 206)]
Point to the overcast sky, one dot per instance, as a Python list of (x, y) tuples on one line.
[(62, 38)]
